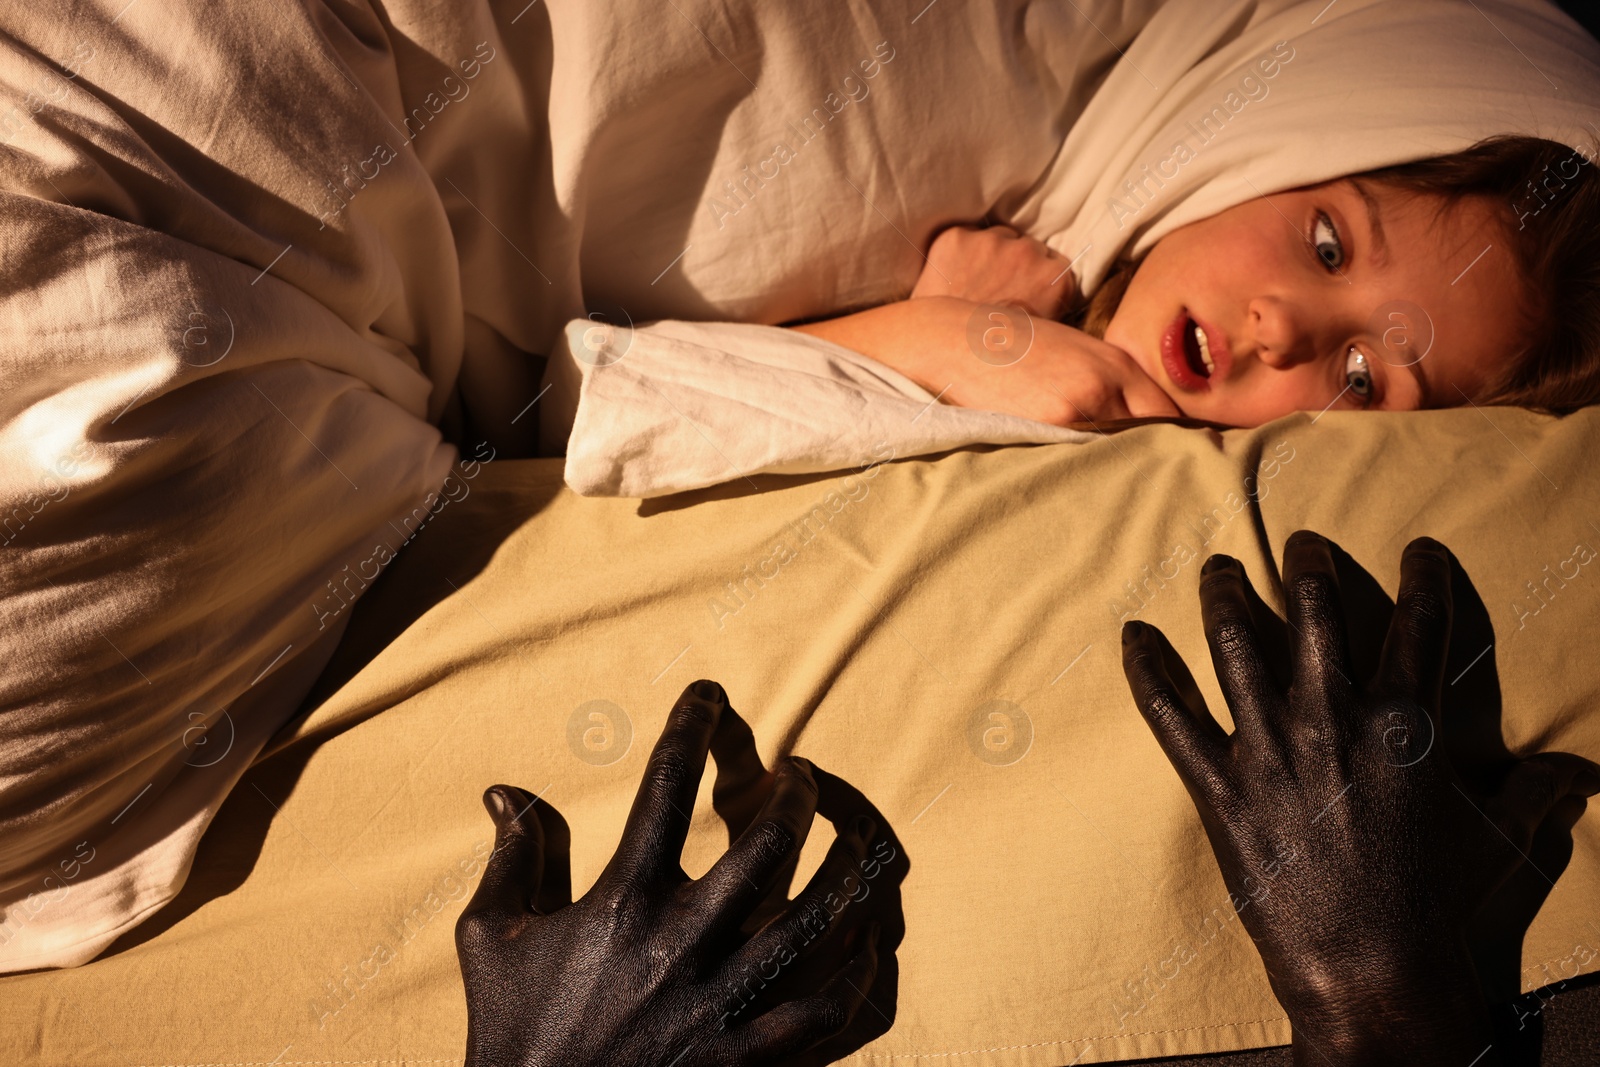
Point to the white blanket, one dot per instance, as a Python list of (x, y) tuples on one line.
[(679, 405)]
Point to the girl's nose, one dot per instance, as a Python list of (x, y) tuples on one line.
[(1280, 332)]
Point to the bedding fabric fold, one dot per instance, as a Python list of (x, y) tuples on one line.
[(675, 406)]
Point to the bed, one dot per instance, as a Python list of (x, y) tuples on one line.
[(1060, 905), (274, 319)]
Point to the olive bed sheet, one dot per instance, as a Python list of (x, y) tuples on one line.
[(939, 636)]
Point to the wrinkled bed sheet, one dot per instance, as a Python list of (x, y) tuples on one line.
[(942, 635)]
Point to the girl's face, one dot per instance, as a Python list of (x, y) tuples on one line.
[(1283, 288)]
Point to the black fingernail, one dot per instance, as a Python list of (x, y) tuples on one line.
[(709, 691), (865, 827), (1216, 563), (495, 804), (1132, 631)]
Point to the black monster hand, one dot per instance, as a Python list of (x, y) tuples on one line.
[(650, 967), (1363, 863)]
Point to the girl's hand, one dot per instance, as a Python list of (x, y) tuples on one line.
[(1046, 371), (997, 265), (1002, 359)]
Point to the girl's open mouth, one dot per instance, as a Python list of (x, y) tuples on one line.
[(1189, 353), (1197, 351), (1186, 354)]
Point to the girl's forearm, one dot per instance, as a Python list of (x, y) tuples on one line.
[(976, 356), (922, 339)]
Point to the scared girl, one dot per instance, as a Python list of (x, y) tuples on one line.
[(1467, 278)]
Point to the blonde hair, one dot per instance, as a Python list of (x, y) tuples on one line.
[(1093, 314)]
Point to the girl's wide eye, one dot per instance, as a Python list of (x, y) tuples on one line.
[(1325, 242), (1357, 375)]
